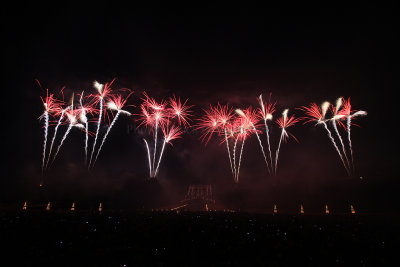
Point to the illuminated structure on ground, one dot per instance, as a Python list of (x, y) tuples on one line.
[(203, 192), (198, 198)]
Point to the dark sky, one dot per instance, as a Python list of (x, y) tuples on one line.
[(207, 54)]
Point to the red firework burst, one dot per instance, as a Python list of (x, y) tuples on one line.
[(266, 109), (180, 111), (313, 113), (104, 90), (152, 103), (208, 124), (51, 104), (152, 113), (285, 122), (116, 102), (171, 132), (224, 114), (72, 115)]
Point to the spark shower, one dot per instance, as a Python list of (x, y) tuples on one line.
[(165, 120)]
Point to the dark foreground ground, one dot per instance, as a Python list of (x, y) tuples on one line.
[(36, 238)]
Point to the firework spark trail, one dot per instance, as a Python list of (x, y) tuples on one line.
[(349, 138), (284, 122), (105, 136), (51, 105), (249, 120), (262, 147), (345, 112), (268, 143), (266, 111), (148, 154), (317, 114), (159, 159), (55, 134), (358, 113), (347, 162), (46, 127), (97, 131), (103, 90), (279, 147), (334, 144), (86, 140), (240, 160), (84, 120), (155, 142), (234, 156), (62, 141), (338, 114), (170, 133), (229, 152), (115, 103), (160, 117)]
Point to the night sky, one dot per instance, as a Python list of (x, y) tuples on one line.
[(208, 54)]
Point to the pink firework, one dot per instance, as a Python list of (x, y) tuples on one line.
[(245, 126), (266, 111), (224, 114), (170, 133), (116, 103), (84, 110), (51, 106), (152, 103), (103, 92), (180, 111), (60, 121), (145, 118), (284, 122), (350, 114), (339, 114), (249, 120), (153, 115), (72, 115), (315, 113), (345, 113), (208, 124), (158, 115), (170, 117)]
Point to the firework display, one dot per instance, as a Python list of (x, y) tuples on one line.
[(340, 112), (72, 122), (237, 127), (77, 116), (103, 91), (266, 110), (169, 119), (51, 106), (284, 122), (116, 103)]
